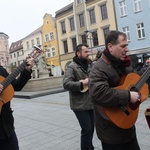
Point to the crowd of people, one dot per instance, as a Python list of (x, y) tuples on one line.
[(92, 88)]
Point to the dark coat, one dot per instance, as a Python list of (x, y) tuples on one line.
[(103, 78), (71, 82), (6, 117)]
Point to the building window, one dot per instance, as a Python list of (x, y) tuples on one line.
[(104, 12), (92, 16), (81, 20), (51, 36), (72, 27), (78, 2), (14, 56), (65, 46), (126, 31), (95, 38), (27, 43), (63, 27), (48, 53), (32, 43), (123, 9), (38, 41), (105, 31), (46, 37), (140, 31), (53, 51), (83, 38), (137, 5), (74, 43)]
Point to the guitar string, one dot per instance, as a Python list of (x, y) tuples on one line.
[(18, 70), (143, 79), (10, 78), (14, 74)]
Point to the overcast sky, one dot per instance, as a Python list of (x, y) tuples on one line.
[(18, 18)]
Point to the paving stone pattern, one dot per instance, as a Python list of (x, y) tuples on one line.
[(47, 123)]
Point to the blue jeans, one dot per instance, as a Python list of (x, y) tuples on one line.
[(86, 121), (10, 143)]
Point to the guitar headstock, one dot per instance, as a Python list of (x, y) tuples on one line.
[(37, 51)]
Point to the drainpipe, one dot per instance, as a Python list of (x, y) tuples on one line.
[(86, 18), (88, 33), (75, 22), (58, 46)]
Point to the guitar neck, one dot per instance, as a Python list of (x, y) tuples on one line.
[(143, 79), (8, 80), (34, 54)]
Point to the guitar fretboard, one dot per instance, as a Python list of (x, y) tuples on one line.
[(143, 79), (8, 80)]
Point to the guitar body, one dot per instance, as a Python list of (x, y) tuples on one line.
[(6, 95), (119, 117), (85, 88)]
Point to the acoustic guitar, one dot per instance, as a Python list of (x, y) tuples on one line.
[(85, 87), (8, 92), (125, 117)]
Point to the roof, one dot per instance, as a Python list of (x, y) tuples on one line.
[(64, 9), (2, 33), (35, 32), (53, 18), (16, 46)]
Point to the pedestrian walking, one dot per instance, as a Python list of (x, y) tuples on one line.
[(76, 82)]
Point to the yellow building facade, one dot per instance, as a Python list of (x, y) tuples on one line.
[(85, 22), (49, 39)]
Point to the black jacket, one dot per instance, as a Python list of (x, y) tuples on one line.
[(6, 117)]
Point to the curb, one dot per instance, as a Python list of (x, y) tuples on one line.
[(38, 94)]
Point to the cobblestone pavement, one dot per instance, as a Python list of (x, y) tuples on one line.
[(47, 123)]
